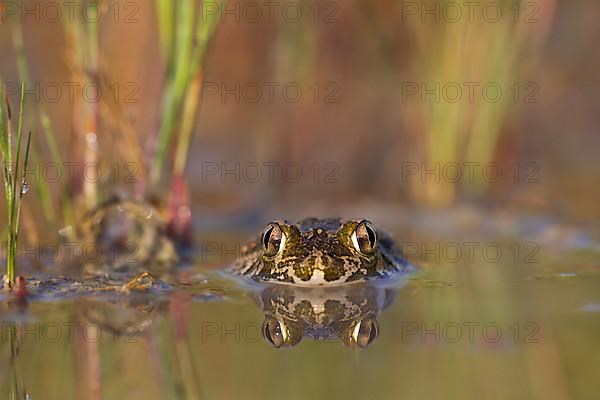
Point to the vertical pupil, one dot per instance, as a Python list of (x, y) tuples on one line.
[(268, 334), (371, 235), (367, 333), (272, 240), (267, 237), (273, 333), (365, 330), (366, 237), (373, 334)]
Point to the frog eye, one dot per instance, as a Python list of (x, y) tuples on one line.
[(275, 332), (364, 238), (365, 332), (273, 239)]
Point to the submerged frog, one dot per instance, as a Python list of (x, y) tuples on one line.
[(321, 252), (127, 236)]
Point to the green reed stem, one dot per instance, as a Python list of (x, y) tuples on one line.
[(164, 12), (13, 225), (24, 186), (184, 75), (175, 85), (11, 181), (204, 32)]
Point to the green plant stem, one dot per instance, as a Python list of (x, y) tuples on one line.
[(187, 125), (185, 67), (164, 12), (175, 87), (13, 225), (22, 188), (11, 178)]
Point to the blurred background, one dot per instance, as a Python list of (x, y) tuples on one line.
[(361, 98)]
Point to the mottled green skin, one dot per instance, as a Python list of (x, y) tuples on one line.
[(325, 313), (130, 237), (320, 252)]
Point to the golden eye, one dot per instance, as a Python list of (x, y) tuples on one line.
[(364, 238), (273, 239), (275, 332), (365, 332)]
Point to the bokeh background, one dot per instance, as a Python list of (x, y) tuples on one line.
[(355, 62)]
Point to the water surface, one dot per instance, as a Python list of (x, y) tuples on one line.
[(522, 325)]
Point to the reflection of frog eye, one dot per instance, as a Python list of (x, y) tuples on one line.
[(364, 238), (365, 332), (273, 239), (275, 332)]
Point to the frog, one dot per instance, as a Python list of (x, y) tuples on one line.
[(125, 236), (344, 313), (321, 252)]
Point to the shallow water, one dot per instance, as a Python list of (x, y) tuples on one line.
[(520, 325)]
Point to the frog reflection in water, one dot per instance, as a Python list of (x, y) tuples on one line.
[(321, 252), (347, 313), (326, 278)]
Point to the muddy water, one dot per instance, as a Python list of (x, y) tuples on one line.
[(471, 325)]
